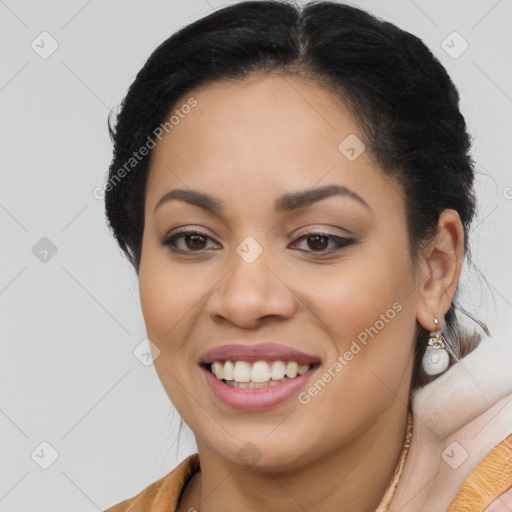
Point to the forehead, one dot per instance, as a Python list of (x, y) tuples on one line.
[(268, 132), (261, 105)]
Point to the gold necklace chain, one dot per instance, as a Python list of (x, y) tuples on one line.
[(390, 491)]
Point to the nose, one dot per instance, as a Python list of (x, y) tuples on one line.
[(250, 294)]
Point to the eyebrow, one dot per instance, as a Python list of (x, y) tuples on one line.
[(284, 203)]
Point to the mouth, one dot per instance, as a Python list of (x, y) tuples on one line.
[(256, 376)]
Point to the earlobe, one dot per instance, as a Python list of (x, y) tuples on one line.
[(441, 268)]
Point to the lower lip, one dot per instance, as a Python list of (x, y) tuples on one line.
[(258, 398)]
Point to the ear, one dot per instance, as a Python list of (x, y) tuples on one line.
[(440, 270)]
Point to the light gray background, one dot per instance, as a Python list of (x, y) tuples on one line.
[(70, 324)]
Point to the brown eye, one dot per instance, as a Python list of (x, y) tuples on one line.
[(195, 242), (323, 243), (318, 242), (188, 242)]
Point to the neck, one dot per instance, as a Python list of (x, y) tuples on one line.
[(356, 476)]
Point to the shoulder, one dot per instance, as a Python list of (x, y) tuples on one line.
[(162, 494), (489, 486)]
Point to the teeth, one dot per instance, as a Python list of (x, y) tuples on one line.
[(242, 371), (228, 370), (218, 370), (278, 370), (251, 385), (260, 372), (303, 368), (291, 369), (257, 374)]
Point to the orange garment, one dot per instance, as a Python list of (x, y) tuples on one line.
[(488, 487), (164, 494), (491, 478)]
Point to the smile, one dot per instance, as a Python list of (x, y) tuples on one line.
[(257, 374), (256, 385)]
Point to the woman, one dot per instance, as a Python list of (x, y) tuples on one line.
[(295, 191)]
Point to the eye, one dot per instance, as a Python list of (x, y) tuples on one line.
[(188, 241), (324, 243), (193, 241)]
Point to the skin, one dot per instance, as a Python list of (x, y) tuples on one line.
[(246, 143)]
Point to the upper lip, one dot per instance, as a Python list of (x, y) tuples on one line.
[(272, 351)]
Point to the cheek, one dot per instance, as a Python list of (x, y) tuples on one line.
[(167, 296), (363, 309), (354, 295), (366, 308)]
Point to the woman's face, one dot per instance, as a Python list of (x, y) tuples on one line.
[(250, 274)]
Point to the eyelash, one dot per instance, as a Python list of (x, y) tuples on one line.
[(340, 242)]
